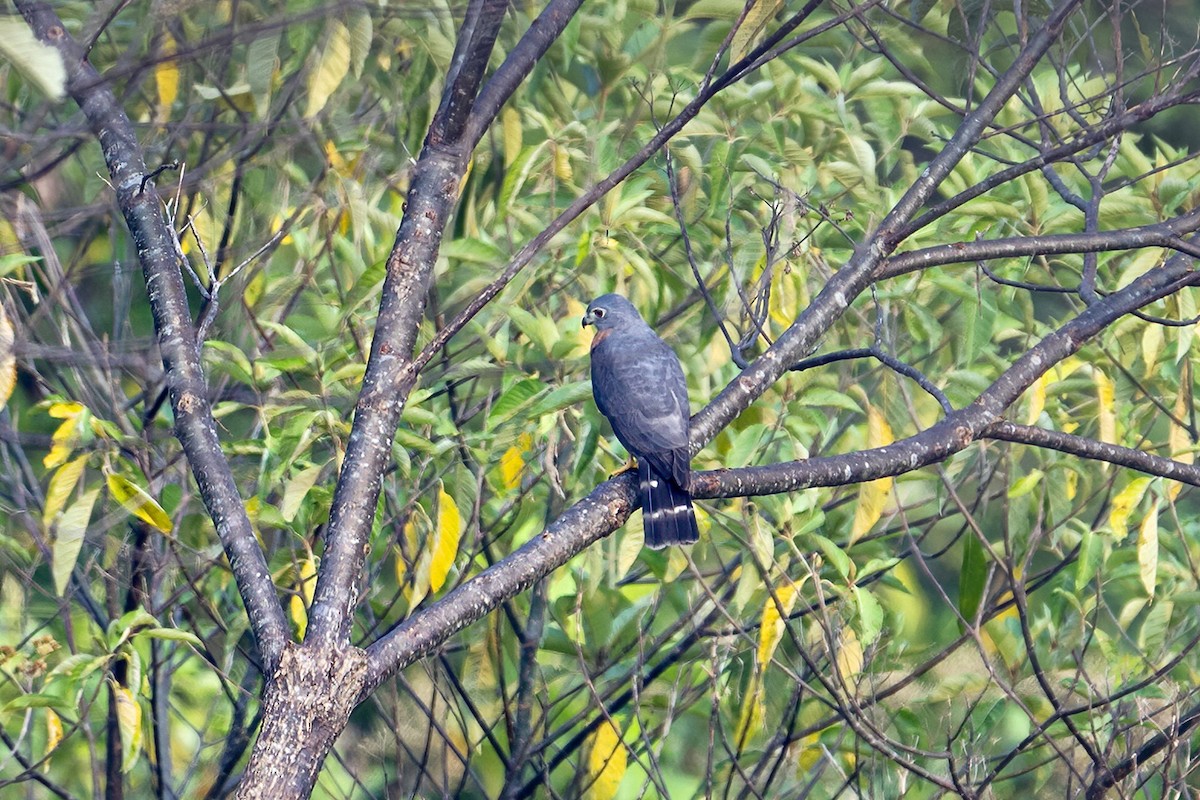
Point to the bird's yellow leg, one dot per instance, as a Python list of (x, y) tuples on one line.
[(628, 466)]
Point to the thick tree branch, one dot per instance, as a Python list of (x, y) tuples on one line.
[(543, 32), (389, 378), (158, 254)]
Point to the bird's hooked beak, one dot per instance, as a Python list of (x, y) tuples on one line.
[(589, 319)]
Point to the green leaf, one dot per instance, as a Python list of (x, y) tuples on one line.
[(1025, 484), (870, 616), (68, 540), (518, 396), (35, 700), (972, 578), (361, 31), (1091, 552), (836, 557), (261, 60), (172, 635), (296, 490), (572, 394), (121, 629), (333, 63), (229, 360), (40, 64)]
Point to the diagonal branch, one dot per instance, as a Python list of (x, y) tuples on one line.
[(157, 252), (1160, 234)]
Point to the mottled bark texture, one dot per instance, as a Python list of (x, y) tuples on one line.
[(308, 701)]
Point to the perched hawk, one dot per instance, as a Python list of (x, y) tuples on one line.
[(639, 385)]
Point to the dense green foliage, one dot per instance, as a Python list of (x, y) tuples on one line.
[(904, 649)]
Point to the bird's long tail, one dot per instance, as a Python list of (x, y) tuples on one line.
[(667, 513)]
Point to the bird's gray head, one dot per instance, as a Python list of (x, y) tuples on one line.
[(611, 311)]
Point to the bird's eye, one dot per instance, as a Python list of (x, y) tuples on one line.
[(599, 312)]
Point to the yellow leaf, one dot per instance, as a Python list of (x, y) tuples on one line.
[(54, 730), (166, 79), (872, 498), (1147, 551), (879, 433), (1106, 398), (849, 657), (129, 723), (276, 226), (810, 753), (67, 409), (1123, 505), (445, 539), (750, 718), (756, 19), (8, 361), (62, 483), (1037, 400), (605, 763), (1152, 341), (137, 502), (511, 465), (771, 630), (308, 579), (299, 616), (68, 538), (64, 439), (62, 444), (562, 163), (872, 495), (336, 162), (510, 122), (1178, 441), (331, 68)]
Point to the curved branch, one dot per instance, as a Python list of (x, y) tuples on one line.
[(157, 252)]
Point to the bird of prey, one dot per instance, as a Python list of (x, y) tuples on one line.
[(639, 385)]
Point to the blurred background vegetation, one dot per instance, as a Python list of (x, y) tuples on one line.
[(656, 673)]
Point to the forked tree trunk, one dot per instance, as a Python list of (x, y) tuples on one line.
[(307, 704)]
